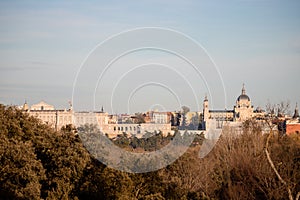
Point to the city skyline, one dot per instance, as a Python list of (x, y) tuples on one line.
[(42, 46), (289, 111)]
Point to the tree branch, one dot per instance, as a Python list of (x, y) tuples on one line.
[(274, 168), (297, 196)]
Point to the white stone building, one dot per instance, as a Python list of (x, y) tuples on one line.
[(242, 111), (49, 115)]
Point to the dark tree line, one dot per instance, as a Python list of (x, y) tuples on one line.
[(37, 162)]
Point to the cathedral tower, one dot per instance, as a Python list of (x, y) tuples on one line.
[(205, 109)]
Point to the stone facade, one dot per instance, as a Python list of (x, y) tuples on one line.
[(114, 125), (242, 111), (49, 115), (41, 106)]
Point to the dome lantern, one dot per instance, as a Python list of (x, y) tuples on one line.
[(243, 96)]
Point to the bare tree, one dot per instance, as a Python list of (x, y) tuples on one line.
[(272, 120), (185, 109)]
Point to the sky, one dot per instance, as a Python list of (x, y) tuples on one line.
[(56, 51)]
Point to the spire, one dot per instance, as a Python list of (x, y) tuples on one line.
[(296, 113), (243, 89), (102, 110), (70, 104), (205, 98)]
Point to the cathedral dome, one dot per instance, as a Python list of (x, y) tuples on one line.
[(243, 96)]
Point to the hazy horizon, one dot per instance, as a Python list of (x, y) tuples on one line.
[(43, 45)]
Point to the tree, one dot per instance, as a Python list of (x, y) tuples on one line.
[(195, 123), (36, 161), (21, 172), (271, 119), (140, 118), (185, 110)]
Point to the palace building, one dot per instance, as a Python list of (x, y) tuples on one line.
[(111, 125), (49, 115)]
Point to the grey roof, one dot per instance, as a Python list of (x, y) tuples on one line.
[(243, 97)]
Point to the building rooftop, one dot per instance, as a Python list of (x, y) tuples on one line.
[(243, 96)]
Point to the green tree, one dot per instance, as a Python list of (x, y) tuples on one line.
[(21, 172), (36, 161)]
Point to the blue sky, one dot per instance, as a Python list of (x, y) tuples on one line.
[(256, 42)]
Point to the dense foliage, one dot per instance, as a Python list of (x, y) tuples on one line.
[(37, 162)]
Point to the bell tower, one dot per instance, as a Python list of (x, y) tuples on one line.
[(205, 109)]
